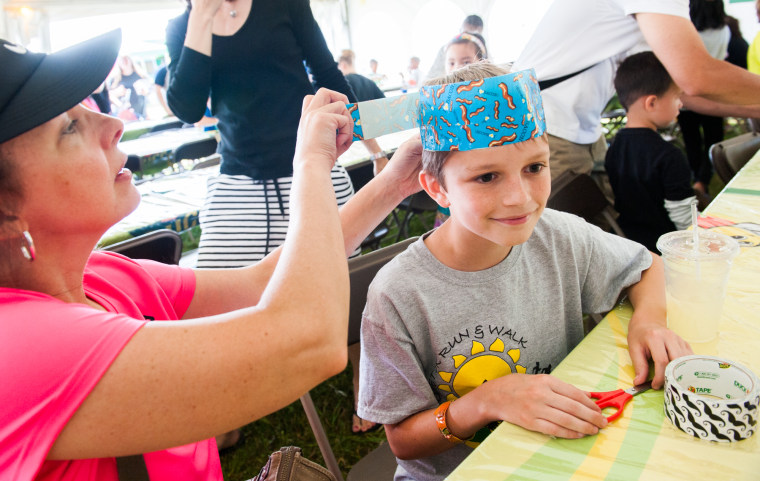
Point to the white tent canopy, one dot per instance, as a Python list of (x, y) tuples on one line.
[(390, 31)]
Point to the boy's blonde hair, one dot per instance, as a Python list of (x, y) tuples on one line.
[(432, 161)]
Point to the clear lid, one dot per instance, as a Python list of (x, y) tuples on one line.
[(712, 245)]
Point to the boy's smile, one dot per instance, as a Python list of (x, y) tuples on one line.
[(496, 196)]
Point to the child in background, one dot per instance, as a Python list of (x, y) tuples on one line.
[(464, 49), (498, 292), (650, 177), (412, 78)]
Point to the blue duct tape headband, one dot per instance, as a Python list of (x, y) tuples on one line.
[(374, 118), (460, 116)]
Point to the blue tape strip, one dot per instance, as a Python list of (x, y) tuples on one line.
[(459, 116)]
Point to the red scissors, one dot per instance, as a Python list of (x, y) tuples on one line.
[(618, 398)]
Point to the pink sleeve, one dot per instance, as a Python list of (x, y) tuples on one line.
[(52, 354), (168, 282), (177, 282)]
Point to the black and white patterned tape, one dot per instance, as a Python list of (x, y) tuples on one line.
[(712, 398)]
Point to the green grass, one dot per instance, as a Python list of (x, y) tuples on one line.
[(190, 238), (288, 426), (333, 400)]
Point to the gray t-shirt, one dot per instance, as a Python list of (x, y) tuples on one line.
[(431, 333)]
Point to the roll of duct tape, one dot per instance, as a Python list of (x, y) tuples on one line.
[(712, 398)]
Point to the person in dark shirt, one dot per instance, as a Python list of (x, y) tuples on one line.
[(160, 82), (101, 98), (700, 131), (364, 89), (247, 56), (737, 46), (127, 82), (650, 177)]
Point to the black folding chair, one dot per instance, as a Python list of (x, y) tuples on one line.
[(380, 463), (133, 164), (205, 162), (578, 194), (729, 156), (197, 149), (162, 245), (360, 173), (373, 240), (174, 124), (413, 206)]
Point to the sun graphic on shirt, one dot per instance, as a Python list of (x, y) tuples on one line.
[(480, 366)]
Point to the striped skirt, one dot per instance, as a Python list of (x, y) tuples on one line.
[(244, 219)]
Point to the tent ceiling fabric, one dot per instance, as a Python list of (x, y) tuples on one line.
[(115, 5), (66, 9)]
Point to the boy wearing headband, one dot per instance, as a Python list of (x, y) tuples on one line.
[(500, 288)]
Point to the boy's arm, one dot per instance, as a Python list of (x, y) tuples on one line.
[(648, 335), (540, 403), (675, 176), (679, 211)]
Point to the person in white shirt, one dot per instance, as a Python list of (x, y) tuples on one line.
[(559, 47)]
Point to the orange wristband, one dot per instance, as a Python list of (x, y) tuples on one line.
[(440, 420)]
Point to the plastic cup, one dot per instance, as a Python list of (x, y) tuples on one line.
[(695, 282)]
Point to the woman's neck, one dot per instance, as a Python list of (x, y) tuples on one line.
[(57, 270), (231, 17)]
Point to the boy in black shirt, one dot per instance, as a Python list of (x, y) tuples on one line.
[(650, 177)]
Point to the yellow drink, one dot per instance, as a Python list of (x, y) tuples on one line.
[(695, 281)]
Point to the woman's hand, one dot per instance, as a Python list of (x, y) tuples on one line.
[(403, 169), (325, 130), (199, 35), (206, 8)]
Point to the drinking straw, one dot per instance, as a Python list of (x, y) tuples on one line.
[(695, 234)]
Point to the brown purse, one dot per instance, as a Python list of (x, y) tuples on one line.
[(288, 464)]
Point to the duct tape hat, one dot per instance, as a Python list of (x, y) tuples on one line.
[(36, 87), (459, 116)]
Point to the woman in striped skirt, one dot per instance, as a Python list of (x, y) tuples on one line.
[(244, 219), (249, 57)]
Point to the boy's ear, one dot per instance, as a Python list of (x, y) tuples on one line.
[(434, 189), (650, 102)]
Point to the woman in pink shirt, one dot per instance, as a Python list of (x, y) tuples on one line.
[(87, 376)]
